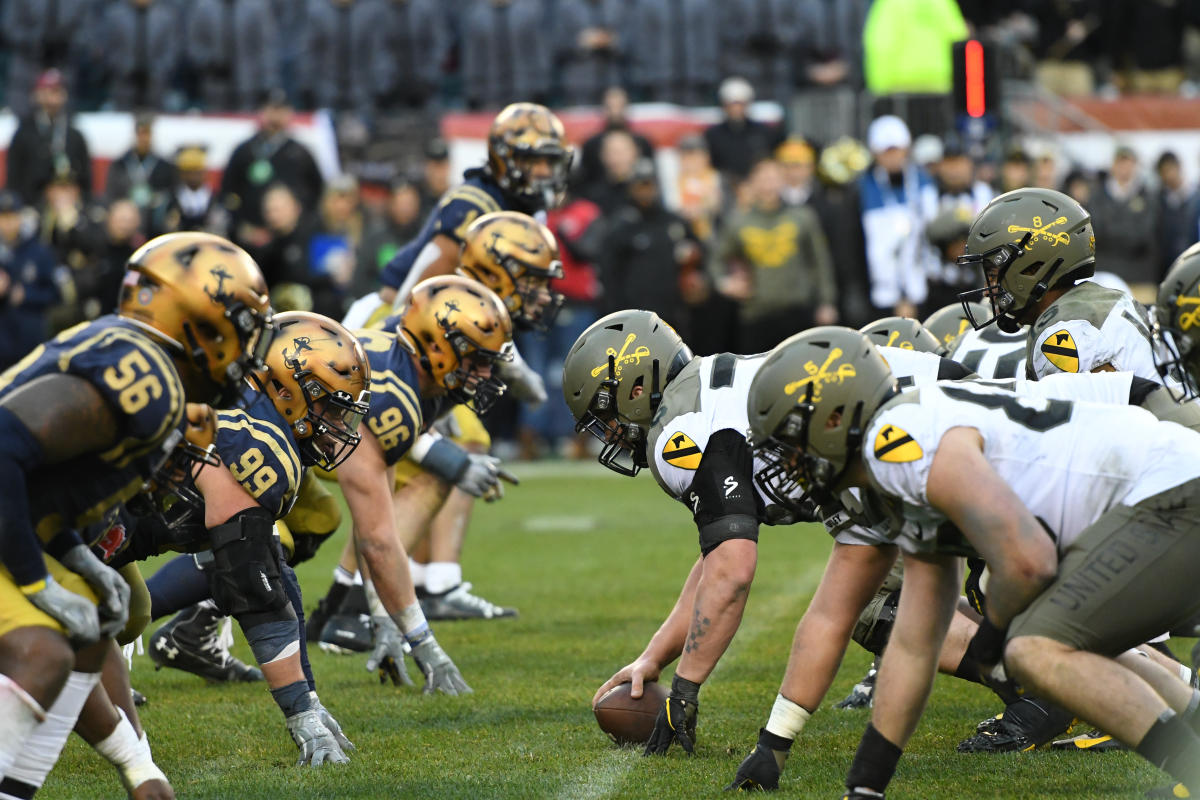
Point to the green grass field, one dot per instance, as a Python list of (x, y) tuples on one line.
[(593, 561)]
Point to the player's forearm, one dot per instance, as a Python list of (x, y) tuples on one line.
[(720, 600), (1013, 587), (667, 643), (387, 563)]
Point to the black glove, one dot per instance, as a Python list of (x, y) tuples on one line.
[(761, 769), (677, 720)]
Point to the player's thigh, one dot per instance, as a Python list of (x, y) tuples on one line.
[(17, 612), (1129, 577)]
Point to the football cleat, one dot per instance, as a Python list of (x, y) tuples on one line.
[(459, 603), (1093, 741), (347, 633), (862, 695), (197, 640), (139, 699), (317, 619), (1025, 725)]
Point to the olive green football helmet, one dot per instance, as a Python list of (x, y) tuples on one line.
[(808, 406), (613, 380), (1027, 241), (950, 322), (1177, 313), (903, 332)]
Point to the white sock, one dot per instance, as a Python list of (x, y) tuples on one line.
[(417, 570), (373, 601), (787, 718), (343, 576), (442, 576), (130, 754), (43, 746), (19, 716)]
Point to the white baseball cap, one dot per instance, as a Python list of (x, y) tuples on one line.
[(735, 90), (887, 132)]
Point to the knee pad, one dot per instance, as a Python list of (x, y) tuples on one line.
[(874, 625), (271, 641), (244, 576)]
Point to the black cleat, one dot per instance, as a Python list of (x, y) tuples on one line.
[(139, 699), (193, 641), (459, 603), (1025, 725), (347, 633), (862, 695), (315, 623)]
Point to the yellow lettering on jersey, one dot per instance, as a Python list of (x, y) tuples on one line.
[(1059, 349), (680, 451), (895, 446)]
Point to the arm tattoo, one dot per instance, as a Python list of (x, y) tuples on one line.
[(699, 629)]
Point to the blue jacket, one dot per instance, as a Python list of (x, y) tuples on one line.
[(29, 265)]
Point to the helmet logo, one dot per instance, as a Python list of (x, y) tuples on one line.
[(819, 376), (1040, 231), (891, 342), (1188, 319), (444, 319), (301, 344), (218, 294), (620, 359)]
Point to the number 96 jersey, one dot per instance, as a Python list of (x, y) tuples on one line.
[(396, 415), (255, 446), (1068, 462)]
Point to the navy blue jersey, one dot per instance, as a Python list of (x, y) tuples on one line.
[(477, 195), (397, 414), (140, 383), (256, 446)]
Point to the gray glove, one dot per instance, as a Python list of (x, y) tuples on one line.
[(317, 745), (332, 724), (481, 477), (388, 655), (523, 383), (108, 585), (440, 673), (77, 614)]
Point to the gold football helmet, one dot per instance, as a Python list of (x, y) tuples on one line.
[(317, 375), (206, 300), (516, 257), (528, 154), (459, 331), (170, 493)]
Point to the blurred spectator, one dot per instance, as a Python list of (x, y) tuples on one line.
[(907, 46), (831, 50), (27, 287), (1015, 171), (590, 46), (737, 142), (39, 35), (957, 187), (189, 205), (797, 160), (267, 157), (1177, 211), (141, 46), (45, 142), (235, 47), (616, 107), (1068, 43), (1045, 170), (641, 250), (99, 285), (406, 46), (673, 51), (1078, 186), (699, 187), (947, 233), (284, 258), (619, 156), (435, 174), (335, 65), (397, 224), (897, 199), (71, 226), (835, 199), (774, 261), (1146, 43), (140, 174), (505, 52), (333, 252), (757, 41), (927, 150), (1125, 212)]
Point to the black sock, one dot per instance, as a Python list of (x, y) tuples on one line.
[(1172, 746), (335, 596), (874, 763)]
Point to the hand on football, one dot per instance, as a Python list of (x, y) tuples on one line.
[(636, 673)]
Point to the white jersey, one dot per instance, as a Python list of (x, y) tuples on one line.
[(992, 353), (1068, 462)]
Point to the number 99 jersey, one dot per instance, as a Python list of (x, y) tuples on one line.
[(255, 446), (397, 415), (1068, 462)]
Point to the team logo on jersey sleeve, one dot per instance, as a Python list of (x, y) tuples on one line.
[(1059, 349), (680, 451), (895, 446)]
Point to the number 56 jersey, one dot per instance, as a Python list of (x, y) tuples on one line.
[(1068, 462)]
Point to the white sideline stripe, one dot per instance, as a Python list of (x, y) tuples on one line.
[(559, 523), (602, 777)]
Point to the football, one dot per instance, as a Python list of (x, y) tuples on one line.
[(628, 721)]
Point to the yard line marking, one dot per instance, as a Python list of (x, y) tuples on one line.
[(559, 523), (601, 778)]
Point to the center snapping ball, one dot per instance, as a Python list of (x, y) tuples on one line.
[(628, 721)]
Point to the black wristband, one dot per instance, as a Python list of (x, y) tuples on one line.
[(874, 763), (684, 689), (774, 742), (987, 645)]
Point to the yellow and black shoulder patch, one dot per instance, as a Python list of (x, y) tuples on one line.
[(1059, 349), (680, 451), (895, 446)]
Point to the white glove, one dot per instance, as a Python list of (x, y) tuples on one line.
[(108, 585), (388, 655), (523, 383), (440, 673), (332, 724), (77, 614), (317, 745)]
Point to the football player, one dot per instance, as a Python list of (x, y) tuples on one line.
[(957, 464), (448, 340), (90, 412), (632, 382)]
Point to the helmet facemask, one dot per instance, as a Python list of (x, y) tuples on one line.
[(464, 384), (521, 161), (254, 333), (328, 432), (170, 492), (995, 264), (624, 450)]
